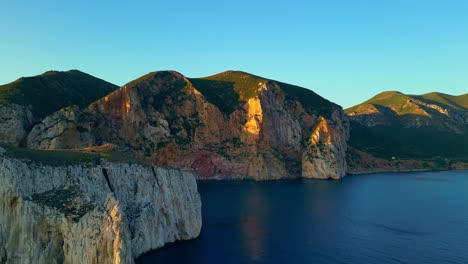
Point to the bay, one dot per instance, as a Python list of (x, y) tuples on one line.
[(375, 218)]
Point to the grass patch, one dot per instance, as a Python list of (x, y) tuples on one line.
[(457, 102), (69, 157), (50, 157)]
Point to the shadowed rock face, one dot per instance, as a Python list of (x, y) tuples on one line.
[(110, 213), (231, 125), (15, 123)]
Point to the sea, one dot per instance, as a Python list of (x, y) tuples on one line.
[(375, 218)]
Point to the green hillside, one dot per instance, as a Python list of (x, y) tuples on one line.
[(53, 90), (457, 102), (403, 135), (408, 143), (461, 100), (398, 101), (227, 89)]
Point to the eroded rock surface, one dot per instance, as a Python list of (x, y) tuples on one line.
[(15, 123), (262, 132), (110, 213)]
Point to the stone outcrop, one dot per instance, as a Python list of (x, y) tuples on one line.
[(110, 213), (27, 100), (167, 119), (325, 155), (15, 123), (60, 131)]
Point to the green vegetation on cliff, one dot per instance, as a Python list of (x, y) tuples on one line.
[(244, 84), (312, 102), (53, 90), (227, 89), (457, 102), (64, 157), (398, 102)]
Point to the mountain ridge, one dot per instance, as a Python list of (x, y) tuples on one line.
[(437, 110), (179, 110), (395, 98), (430, 129), (168, 119), (53, 90)]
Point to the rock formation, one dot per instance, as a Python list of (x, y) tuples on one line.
[(15, 123), (325, 155), (29, 99), (109, 213), (231, 125)]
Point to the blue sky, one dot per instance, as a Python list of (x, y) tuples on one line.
[(346, 51)]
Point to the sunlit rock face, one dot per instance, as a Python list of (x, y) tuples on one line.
[(325, 155), (231, 125), (109, 213)]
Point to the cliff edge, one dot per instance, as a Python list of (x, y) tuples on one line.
[(104, 213)]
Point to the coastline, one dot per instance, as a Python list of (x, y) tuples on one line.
[(349, 174), (404, 171)]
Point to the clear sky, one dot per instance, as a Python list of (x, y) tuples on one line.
[(346, 50)]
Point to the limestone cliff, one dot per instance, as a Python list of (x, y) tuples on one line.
[(110, 213), (231, 125)]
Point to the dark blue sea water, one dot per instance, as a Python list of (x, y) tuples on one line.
[(380, 218)]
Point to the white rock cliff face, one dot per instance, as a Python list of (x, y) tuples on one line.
[(109, 213)]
